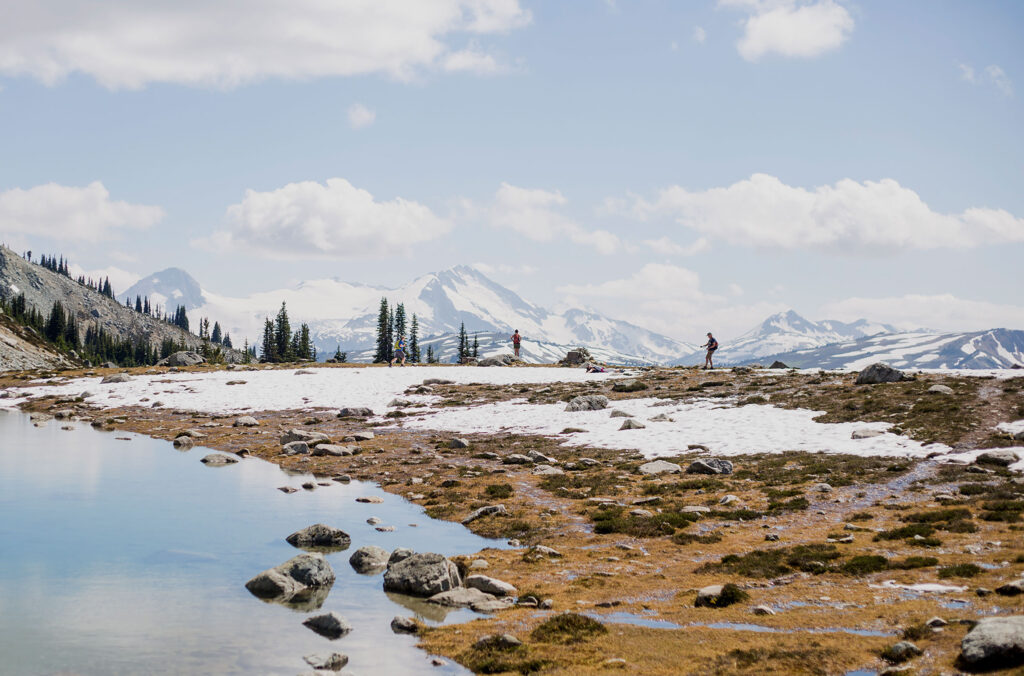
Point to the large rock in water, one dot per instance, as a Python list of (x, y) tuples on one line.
[(422, 575), (182, 359), (995, 642), (319, 535), (292, 577), (588, 402), (880, 373), (369, 559)]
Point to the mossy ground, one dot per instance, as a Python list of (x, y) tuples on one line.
[(652, 566)]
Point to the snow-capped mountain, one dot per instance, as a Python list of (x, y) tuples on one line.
[(995, 348), (168, 288), (344, 314), (787, 332)]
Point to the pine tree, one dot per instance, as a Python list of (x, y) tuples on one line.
[(146, 309), (414, 346), (399, 321), (269, 350), (463, 343), (476, 346), (226, 342), (306, 349), (138, 304), (216, 336), (381, 355), (430, 354), (57, 323), (246, 357), (391, 337), (283, 335)]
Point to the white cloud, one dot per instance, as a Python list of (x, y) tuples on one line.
[(999, 79), (71, 213), (699, 35), (505, 269), (223, 43), (791, 28), (472, 59), (537, 214), (944, 312), (331, 220), (669, 299), (664, 245), (120, 279), (991, 75), (360, 116), (846, 217)]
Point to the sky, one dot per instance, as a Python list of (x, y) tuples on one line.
[(687, 166)]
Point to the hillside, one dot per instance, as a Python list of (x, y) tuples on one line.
[(21, 349), (42, 288), (995, 348)]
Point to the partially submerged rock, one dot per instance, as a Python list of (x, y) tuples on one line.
[(320, 536), (331, 625), (369, 559), (292, 578), (327, 662), (424, 575), (218, 460)]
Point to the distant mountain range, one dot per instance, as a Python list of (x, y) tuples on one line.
[(344, 314)]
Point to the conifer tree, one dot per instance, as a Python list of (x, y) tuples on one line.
[(138, 304), (283, 335), (381, 355), (463, 343), (414, 345), (391, 336), (216, 336), (246, 357), (226, 342), (146, 309), (430, 354), (399, 320), (476, 346), (269, 349), (306, 350)]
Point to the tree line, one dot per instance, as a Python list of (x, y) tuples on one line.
[(280, 344)]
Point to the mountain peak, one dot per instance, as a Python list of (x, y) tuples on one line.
[(170, 287)]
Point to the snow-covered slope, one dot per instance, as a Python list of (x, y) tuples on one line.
[(995, 348), (168, 288), (786, 332), (344, 314)]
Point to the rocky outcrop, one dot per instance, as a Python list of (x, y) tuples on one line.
[(994, 643), (182, 359), (880, 373), (709, 466), (422, 575), (588, 402)]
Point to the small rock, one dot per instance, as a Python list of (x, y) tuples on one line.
[(404, 625), (458, 443), (423, 574), (319, 535), (617, 413), (369, 559), (866, 434), (501, 641), (695, 509), (485, 511), (331, 625), (631, 424), (901, 652), (822, 488), (363, 436), (183, 443), (641, 512), (517, 459), (771, 537), (937, 622), (351, 412), (490, 585), (370, 499), (728, 500), (762, 610), (218, 459), (547, 470), (547, 604), (373, 521), (334, 449), (880, 373), (295, 448), (115, 378), (614, 663), (629, 385), (246, 421), (287, 489), (328, 662), (710, 466), (659, 467), (940, 389), (1015, 588), (1002, 458)]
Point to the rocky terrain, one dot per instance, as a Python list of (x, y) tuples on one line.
[(789, 562), (22, 350), (43, 287)]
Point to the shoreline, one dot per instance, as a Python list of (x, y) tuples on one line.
[(631, 576)]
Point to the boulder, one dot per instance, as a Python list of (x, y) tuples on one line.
[(1000, 457), (517, 459), (399, 554), (330, 625), (631, 424), (866, 433), (537, 456), (332, 449), (709, 466), (424, 575), (629, 385), (246, 421), (327, 662), (355, 412), (778, 365), (466, 597), (940, 389), (547, 470), (319, 535), (292, 577), (485, 511), (588, 402), (995, 642), (458, 443), (182, 359), (295, 448), (490, 585), (310, 438), (218, 460), (1014, 588), (491, 361), (405, 625), (184, 443), (115, 378), (880, 373), (369, 560), (574, 357), (659, 467), (617, 413)]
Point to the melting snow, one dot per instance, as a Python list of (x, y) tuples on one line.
[(921, 587)]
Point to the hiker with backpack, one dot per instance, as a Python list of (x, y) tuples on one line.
[(399, 353), (516, 340), (712, 345)]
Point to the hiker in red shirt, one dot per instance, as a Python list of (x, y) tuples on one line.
[(516, 339)]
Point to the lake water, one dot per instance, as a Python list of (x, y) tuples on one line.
[(130, 557)]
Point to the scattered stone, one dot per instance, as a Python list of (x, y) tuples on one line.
[(182, 359), (994, 643), (547, 470), (728, 500), (370, 499), (183, 443), (319, 535), (880, 373), (342, 478), (424, 575), (661, 417), (629, 385), (485, 511), (335, 450), (399, 403), (1015, 588), (369, 559), (405, 625), (936, 622), (940, 389), (295, 448), (695, 509), (287, 489), (362, 436), (355, 412), (328, 662), (866, 434), (547, 604), (330, 625), (479, 564), (762, 610), (438, 381), (292, 577), (900, 652), (631, 424), (614, 663), (458, 443), (646, 513), (545, 551), (115, 378), (588, 402), (246, 421), (310, 438), (502, 641), (659, 467), (490, 585), (517, 459), (618, 413), (218, 460), (710, 466), (1002, 458), (822, 488)]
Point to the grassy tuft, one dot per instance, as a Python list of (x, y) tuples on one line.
[(567, 628)]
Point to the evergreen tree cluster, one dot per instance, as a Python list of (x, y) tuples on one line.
[(280, 344), (391, 325), (55, 264)]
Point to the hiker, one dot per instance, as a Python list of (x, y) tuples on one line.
[(712, 345), (593, 368), (399, 353), (516, 339)]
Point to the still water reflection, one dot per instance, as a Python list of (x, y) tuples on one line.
[(129, 557)]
